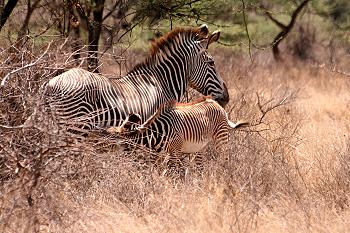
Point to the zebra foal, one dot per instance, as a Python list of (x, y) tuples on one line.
[(179, 127)]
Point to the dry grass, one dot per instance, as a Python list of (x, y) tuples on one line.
[(290, 172)]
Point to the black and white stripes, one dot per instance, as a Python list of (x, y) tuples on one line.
[(87, 100), (179, 128)]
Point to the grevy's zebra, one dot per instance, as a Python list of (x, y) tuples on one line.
[(178, 59), (179, 127)]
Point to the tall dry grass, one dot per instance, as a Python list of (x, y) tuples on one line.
[(289, 172)]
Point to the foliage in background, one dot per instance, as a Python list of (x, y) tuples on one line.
[(124, 20)]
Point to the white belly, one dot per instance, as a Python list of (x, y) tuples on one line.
[(193, 147)]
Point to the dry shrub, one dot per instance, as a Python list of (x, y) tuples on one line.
[(332, 183)]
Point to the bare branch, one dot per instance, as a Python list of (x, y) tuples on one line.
[(24, 27), (111, 11), (6, 12), (285, 29), (3, 82), (246, 29), (286, 98), (11, 127), (279, 24)]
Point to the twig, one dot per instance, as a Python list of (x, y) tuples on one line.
[(246, 29), (264, 112), (11, 127), (111, 11), (3, 82)]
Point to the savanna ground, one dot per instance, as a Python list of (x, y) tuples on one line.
[(288, 172)]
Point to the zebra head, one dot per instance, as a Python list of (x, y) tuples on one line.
[(203, 75)]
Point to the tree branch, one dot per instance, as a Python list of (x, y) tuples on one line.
[(111, 11), (286, 98), (6, 12), (3, 82), (285, 29), (24, 27), (246, 29), (278, 23)]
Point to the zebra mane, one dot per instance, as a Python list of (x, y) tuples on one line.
[(168, 40)]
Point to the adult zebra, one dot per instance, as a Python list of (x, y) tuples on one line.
[(178, 59)]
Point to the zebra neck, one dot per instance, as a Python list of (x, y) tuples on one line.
[(170, 70)]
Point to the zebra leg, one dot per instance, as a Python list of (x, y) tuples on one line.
[(174, 159), (221, 139), (195, 163)]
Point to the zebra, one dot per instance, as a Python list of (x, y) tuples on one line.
[(177, 60), (179, 127)]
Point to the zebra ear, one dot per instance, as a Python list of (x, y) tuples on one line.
[(213, 37), (204, 29)]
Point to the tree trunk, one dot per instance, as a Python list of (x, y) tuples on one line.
[(285, 29), (2, 4), (30, 9), (76, 45), (6, 11), (94, 29)]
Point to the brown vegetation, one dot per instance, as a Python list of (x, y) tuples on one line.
[(290, 172)]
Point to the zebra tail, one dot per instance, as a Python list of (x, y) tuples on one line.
[(239, 124)]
